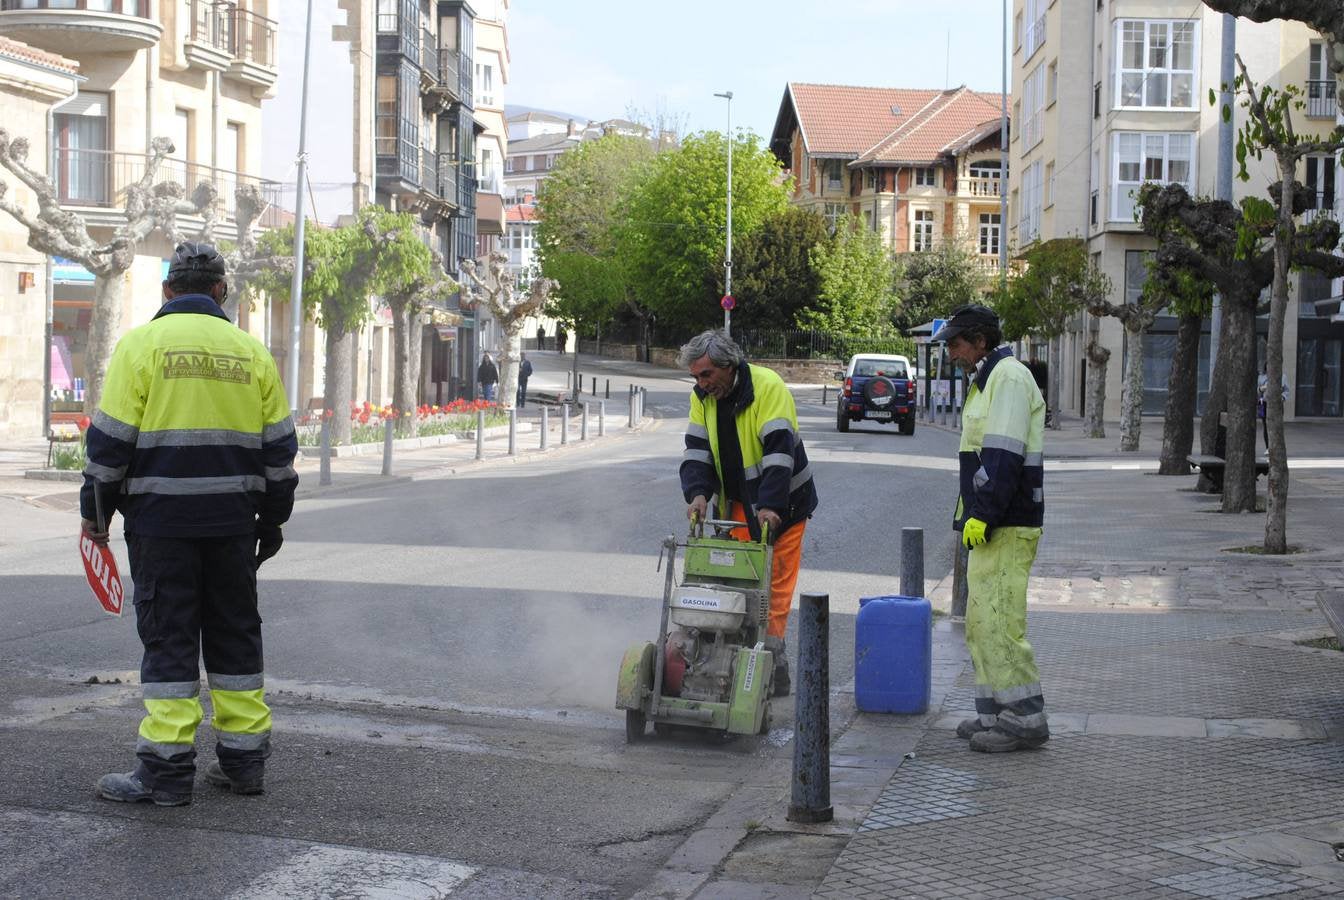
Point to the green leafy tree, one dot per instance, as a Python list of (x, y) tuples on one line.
[(1055, 283), (414, 301), (344, 268), (856, 275), (934, 282), (673, 231), (773, 278), (580, 207)]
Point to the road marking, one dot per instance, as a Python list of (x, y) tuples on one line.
[(324, 870)]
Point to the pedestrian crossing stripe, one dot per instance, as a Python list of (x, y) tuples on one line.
[(324, 870)]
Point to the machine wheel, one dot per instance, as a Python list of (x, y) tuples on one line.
[(634, 726), (908, 424), (841, 419)]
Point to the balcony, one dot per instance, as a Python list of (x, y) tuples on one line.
[(75, 27), (1321, 103), (250, 39), (207, 46), (98, 179), (978, 187), (1322, 206)]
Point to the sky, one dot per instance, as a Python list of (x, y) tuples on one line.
[(599, 59)]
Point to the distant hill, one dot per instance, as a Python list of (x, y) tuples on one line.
[(513, 109)]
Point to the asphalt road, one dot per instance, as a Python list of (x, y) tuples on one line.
[(441, 658)]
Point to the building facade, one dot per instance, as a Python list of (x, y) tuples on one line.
[(190, 70), (1086, 145), (921, 167)]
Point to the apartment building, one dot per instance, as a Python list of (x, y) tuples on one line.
[(922, 167), (191, 70), (492, 141), (1114, 94)]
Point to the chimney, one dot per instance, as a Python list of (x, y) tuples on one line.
[(571, 128)]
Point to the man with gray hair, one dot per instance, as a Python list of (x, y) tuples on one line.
[(743, 448)]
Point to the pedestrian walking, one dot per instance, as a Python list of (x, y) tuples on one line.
[(561, 339), (1000, 510), (193, 443), (743, 423), (487, 373), (541, 337), (524, 373)]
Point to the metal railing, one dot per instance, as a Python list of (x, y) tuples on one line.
[(137, 8), (99, 178), (207, 26), (249, 36), (1321, 103), (1322, 207)]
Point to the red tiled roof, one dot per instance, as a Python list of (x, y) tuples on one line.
[(522, 212), (19, 50), (887, 124)]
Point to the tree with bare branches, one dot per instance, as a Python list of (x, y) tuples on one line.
[(56, 231), (509, 308)]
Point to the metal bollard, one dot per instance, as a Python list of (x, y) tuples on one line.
[(583, 424), (912, 562), (601, 418), (569, 379), (811, 798), (594, 390), (607, 393), (959, 587), (545, 425), (824, 389), (564, 424), (324, 465), (513, 432), (388, 425), (480, 434)]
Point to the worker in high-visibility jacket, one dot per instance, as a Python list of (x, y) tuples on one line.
[(193, 443), (1000, 511), (743, 448)]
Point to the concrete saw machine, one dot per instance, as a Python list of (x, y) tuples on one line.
[(709, 668)]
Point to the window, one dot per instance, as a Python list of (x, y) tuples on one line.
[(1029, 216), (1033, 95), (387, 16), (833, 213), (1035, 36), (508, 164), (985, 168), (1156, 63), (485, 84), (1096, 100), (1013, 122), (1052, 83), (487, 172), (831, 171), (1148, 156), (83, 164), (1320, 181), (922, 238), (1049, 184), (1136, 273), (989, 234), (232, 157), (870, 179), (385, 136), (926, 176), (1320, 84), (182, 135)]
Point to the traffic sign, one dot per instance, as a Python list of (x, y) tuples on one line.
[(727, 302), (100, 569), (937, 326)]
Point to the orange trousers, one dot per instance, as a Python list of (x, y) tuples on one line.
[(788, 559)]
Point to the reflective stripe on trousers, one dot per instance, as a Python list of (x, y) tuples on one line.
[(1008, 690), (788, 559)]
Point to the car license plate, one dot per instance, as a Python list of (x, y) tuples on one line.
[(880, 414)]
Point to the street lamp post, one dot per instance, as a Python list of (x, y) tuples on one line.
[(296, 283), (728, 259)]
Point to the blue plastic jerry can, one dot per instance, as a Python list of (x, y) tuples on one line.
[(893, 654)]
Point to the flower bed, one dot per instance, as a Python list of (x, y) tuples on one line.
[(368, 422)]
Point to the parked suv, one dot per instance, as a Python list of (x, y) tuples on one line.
[(877, 387)]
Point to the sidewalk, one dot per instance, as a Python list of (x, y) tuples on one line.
[(1196, 750)]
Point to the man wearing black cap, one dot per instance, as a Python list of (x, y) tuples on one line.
[(1000, 511), (193, 443)]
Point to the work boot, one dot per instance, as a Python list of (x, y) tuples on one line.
[(776, 647), (996, 740), (968, 728), (214, 774), (128, 788)]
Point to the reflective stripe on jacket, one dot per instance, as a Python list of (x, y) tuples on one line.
[(1002, 443), (193, 436), (774, 463)]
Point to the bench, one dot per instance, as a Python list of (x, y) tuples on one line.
[(1214, 466)]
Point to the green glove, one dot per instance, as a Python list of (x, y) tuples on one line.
[(973, 533)]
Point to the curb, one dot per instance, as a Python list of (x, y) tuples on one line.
[(54, 474)]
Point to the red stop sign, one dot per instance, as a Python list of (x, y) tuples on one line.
[(100, 568), (727, 302)]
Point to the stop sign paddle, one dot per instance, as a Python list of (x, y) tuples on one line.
[(100, 566)]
